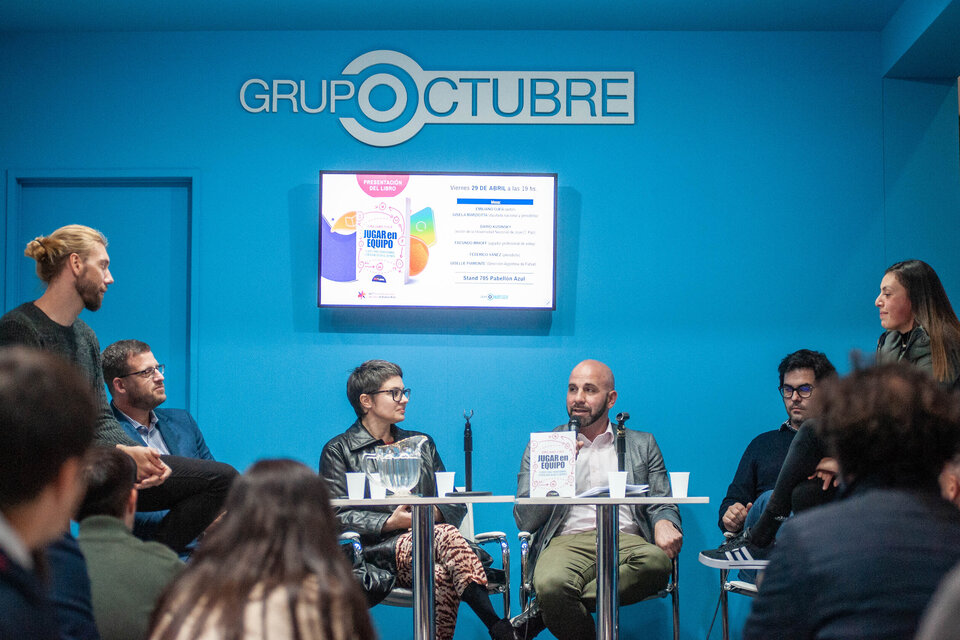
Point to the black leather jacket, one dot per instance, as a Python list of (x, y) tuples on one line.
[(343, 454)]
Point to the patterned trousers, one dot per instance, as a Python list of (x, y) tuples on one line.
[(455, 567)]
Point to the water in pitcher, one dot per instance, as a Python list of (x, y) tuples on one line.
[(400, 474)]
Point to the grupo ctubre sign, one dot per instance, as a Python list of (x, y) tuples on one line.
[(384, 98)]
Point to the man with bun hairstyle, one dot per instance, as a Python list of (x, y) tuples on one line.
[(74, 264)]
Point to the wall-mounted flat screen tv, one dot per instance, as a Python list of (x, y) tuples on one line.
[(437, 239)]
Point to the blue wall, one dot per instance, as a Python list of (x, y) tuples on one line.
[(740, 218)]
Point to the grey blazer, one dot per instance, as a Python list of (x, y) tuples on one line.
[(644, 465)]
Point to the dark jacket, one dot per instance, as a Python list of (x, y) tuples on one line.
[(182, 436), (861, 567), (914, 347), (70, 589), (342, 454), (25, 611)]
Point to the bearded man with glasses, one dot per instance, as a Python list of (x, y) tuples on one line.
[(74, 264), (802, 373), (136, 383)]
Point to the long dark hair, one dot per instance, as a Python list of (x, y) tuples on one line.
[(933, 311), (279, 531)]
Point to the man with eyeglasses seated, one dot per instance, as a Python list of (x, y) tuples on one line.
[(801, 372), (74, 265), (136, 384), (866, 565)]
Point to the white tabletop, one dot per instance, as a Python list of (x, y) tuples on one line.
[(601, 500), (460, 498), (456, 498)]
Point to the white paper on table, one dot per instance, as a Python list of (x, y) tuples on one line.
[(632, 490), (553, 457)]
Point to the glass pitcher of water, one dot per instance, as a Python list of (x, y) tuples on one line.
[(398, 464)]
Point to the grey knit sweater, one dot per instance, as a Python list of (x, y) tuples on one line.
[(28, 326)]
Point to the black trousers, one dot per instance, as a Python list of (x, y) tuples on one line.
[(792, 486), (194, 494), (804, 454)]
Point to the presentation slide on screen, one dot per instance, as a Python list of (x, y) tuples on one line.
[(437, 240)]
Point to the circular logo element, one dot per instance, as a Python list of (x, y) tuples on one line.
[(405, 83)]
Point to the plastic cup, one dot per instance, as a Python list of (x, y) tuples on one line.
[(356, 482), (444, 482), (679, 481), (377, 490), (618, 484)]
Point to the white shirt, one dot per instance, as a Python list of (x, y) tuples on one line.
[(594, 461), (13, 546)]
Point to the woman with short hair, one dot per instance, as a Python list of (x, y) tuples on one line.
[(376, 392)]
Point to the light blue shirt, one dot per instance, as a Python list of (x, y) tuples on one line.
[(14, 547), (149, 433)]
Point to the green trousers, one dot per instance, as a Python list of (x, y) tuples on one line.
[(565, 580)]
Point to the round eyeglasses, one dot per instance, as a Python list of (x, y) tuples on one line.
[(149, 372), (396, 394), (804, 390)]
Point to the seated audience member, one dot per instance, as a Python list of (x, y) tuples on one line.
[(922, 330), (866, 565), (941, 620), (137, 390), (127, 575), (563, 547), (48, 415), (75, 267), (801, 373), (270, 570), (70, 589), (950, 480), (376, 392)]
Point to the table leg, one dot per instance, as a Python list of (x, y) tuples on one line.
[(423, 604), (723, 604), (608, 553)]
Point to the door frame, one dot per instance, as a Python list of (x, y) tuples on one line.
[(16, 179)]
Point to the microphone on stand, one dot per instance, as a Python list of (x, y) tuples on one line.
[(574, 424), (622, 417), (468, 450)]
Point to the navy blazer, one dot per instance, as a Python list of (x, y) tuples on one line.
[(861, 567), (70, 589), (179, 431), (183, 438), (26, 612)]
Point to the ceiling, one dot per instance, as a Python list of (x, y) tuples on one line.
[(256, 15)]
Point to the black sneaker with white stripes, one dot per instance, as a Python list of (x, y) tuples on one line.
[(737, 553)]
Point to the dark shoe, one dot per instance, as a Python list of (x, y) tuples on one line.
[(503, 630), (529, 623), (737, 553)]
